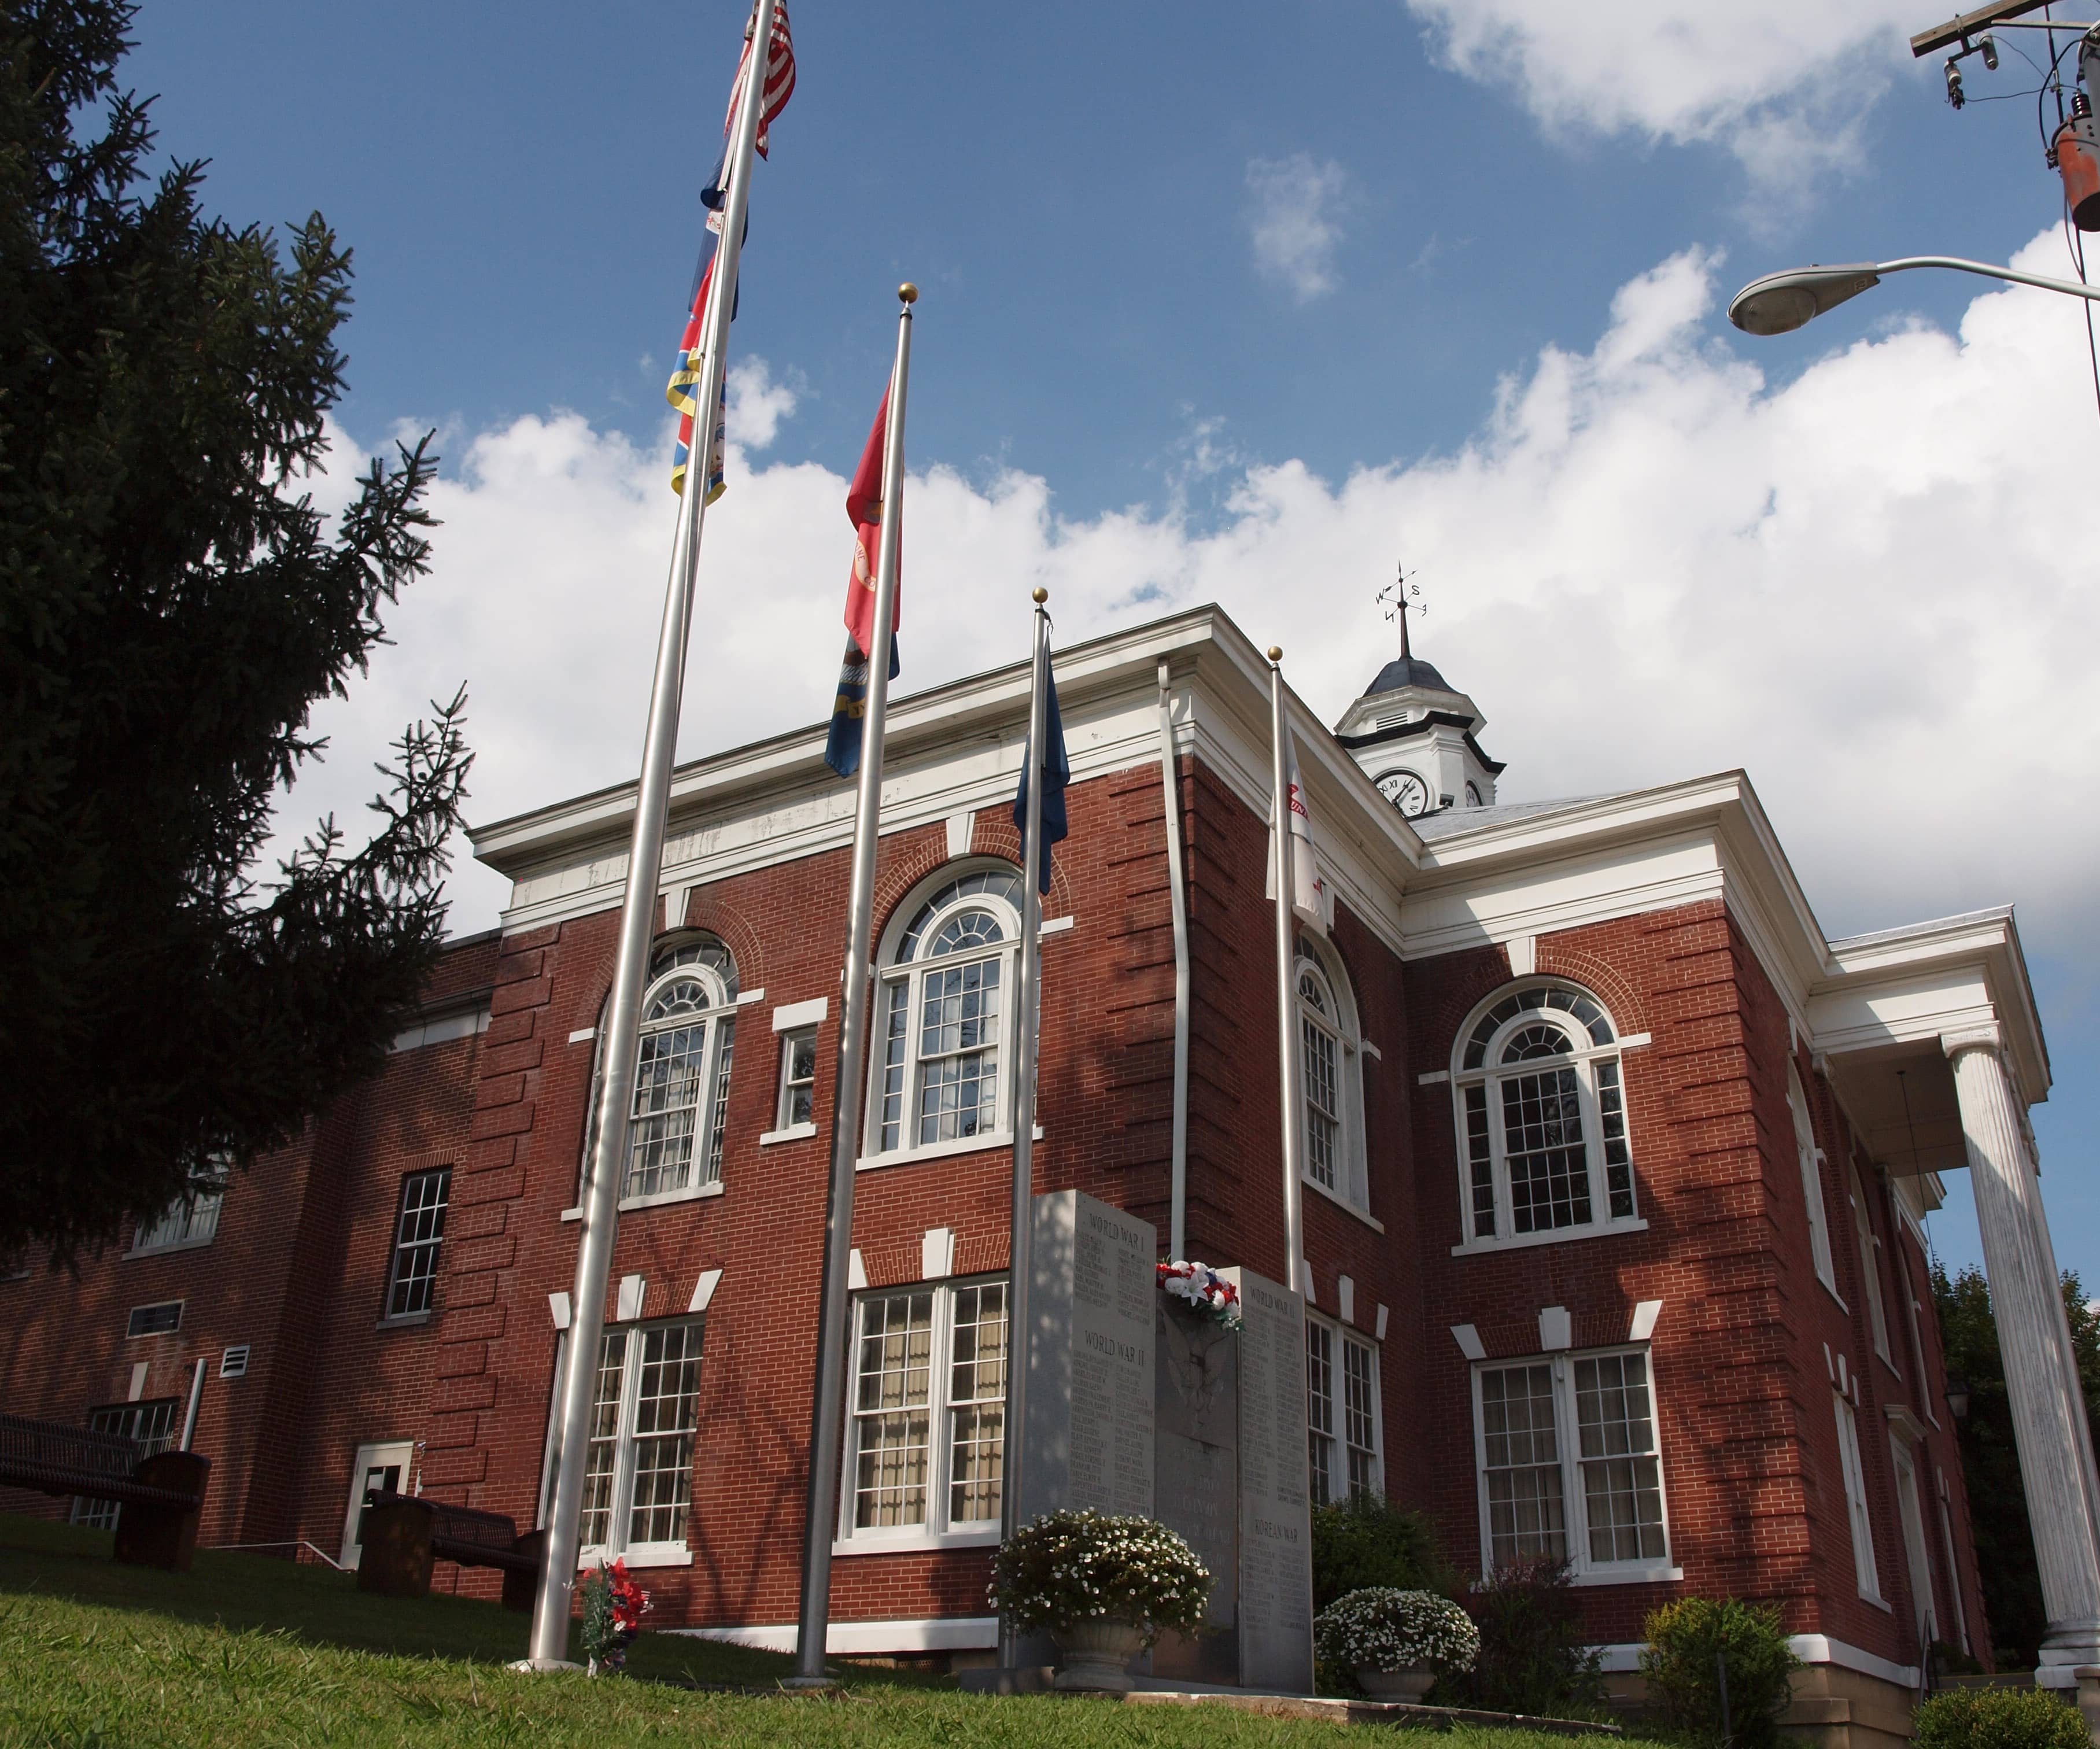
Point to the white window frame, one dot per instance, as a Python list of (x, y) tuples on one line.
[(380, 1455), (1598, 1067), (1582, 1568), (936, 1532), (918, 921), (1864, 1570), (1333, 1013), (1870, 1267), (188, 1223), (1331, 1415), (785, 1123), (154, 1422), (399, 1257), (626, 1441), (1953, 1566), (672, 960), (1810, 1159)]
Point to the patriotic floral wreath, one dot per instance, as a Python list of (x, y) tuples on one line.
[(613, 1607), (1204, 1289)]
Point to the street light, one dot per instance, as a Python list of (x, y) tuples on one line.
[(1781, 303)]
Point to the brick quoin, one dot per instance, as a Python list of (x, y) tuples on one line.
[(1743, 1395)]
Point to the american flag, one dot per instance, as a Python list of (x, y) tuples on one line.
[(686, 373)]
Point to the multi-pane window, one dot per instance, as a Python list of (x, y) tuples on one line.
[(1541, 1119), (418, 1234), (798, 1078), (1870, 1266), (676, 1124), (1341, 1413), (1570, 1469), (189, 1221), (946, 1008), (1810, 1159), (153, 1423), (1330, 1090), (638, 1471), (929, 1411)]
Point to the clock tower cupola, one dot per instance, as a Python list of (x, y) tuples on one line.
[(1415, 735)]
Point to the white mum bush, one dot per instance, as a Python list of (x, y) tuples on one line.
[(1078, 1566), (1382, 1628)]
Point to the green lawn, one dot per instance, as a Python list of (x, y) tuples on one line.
[(250, 1651)]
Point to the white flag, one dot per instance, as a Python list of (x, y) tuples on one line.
[(1308, 892)]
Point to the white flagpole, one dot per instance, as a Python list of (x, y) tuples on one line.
[(827, 1411), (551, 1606), (1028, 998), (1289, 1046)]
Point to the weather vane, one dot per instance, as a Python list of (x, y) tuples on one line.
[(1400, 597)]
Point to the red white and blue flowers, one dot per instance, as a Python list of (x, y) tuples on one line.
[(1204, 1290)]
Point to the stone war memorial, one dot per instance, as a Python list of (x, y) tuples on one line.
[(1136, 1404)]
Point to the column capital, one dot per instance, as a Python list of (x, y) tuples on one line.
[(1985, 1037)]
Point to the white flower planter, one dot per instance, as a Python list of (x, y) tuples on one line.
[(1097, 1656), (1409, 1684)]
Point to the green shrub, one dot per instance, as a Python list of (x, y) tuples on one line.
[(1366, 1542), (1534, 1657), (1687, 1643), (1999, 1719)]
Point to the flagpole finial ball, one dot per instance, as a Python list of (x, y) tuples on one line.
[(1276, 652), (1040, 596), (907, 293)]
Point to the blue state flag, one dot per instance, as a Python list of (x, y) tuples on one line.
[(1056, 773), (850, 709)]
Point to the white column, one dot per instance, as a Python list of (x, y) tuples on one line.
[(2048, 1416)]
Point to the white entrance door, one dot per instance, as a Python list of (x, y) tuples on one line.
[(1908, 1509), (379, 1466)]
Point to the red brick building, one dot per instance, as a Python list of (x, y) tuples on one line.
[(1612, 1207)]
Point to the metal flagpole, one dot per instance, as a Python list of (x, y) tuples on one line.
[(827, 1411), (1028, 999), (637, 918), (1286, 987)]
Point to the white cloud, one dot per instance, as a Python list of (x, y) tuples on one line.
[(1783, 84), (758, 403), (1294, 215), (1869, 586)]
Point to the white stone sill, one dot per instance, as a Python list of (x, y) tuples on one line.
[(661, 1200), (1480, 1248), (648, 1555), (1370, 1221), (941, 1150), (1660, 1572), (793, 1133), (921, 1543)]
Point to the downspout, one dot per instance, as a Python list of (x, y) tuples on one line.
[(1177, 1220), (196, 1396)]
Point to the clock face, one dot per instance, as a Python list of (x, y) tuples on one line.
[(1472, 795), (1405, 792)]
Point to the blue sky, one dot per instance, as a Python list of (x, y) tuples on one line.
[(1243, 302)]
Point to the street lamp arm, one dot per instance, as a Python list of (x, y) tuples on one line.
[(2074, 287)]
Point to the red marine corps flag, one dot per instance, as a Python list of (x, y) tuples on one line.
[(864, 510)]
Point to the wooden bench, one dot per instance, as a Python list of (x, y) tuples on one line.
[(162, 1496), (404, 1535)]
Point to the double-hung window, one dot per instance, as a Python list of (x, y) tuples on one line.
[(1870, 1267), (1541, 1120), (928, 1408), (185, 1224), (1330, 1070), (680, 1113), (945, 1005), (1810, 1159), (1341, 1413), (153, 1424), (1570, 1466), (645, 1412), (1864, 1570), (419, 1232), (798, 1079)]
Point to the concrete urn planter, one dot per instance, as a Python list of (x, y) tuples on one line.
[(1409, 1684), (1095, 1656)]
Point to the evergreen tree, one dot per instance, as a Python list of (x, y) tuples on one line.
[(171, 604), (1990, 1459)]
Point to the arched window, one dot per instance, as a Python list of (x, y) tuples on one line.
[(674, 1139), (1330, 1062), (1541, 1119), (945, 1014)]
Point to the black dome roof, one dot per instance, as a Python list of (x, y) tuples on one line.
[(1408, 671)]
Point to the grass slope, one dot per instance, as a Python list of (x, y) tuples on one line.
[(247, 1651)]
